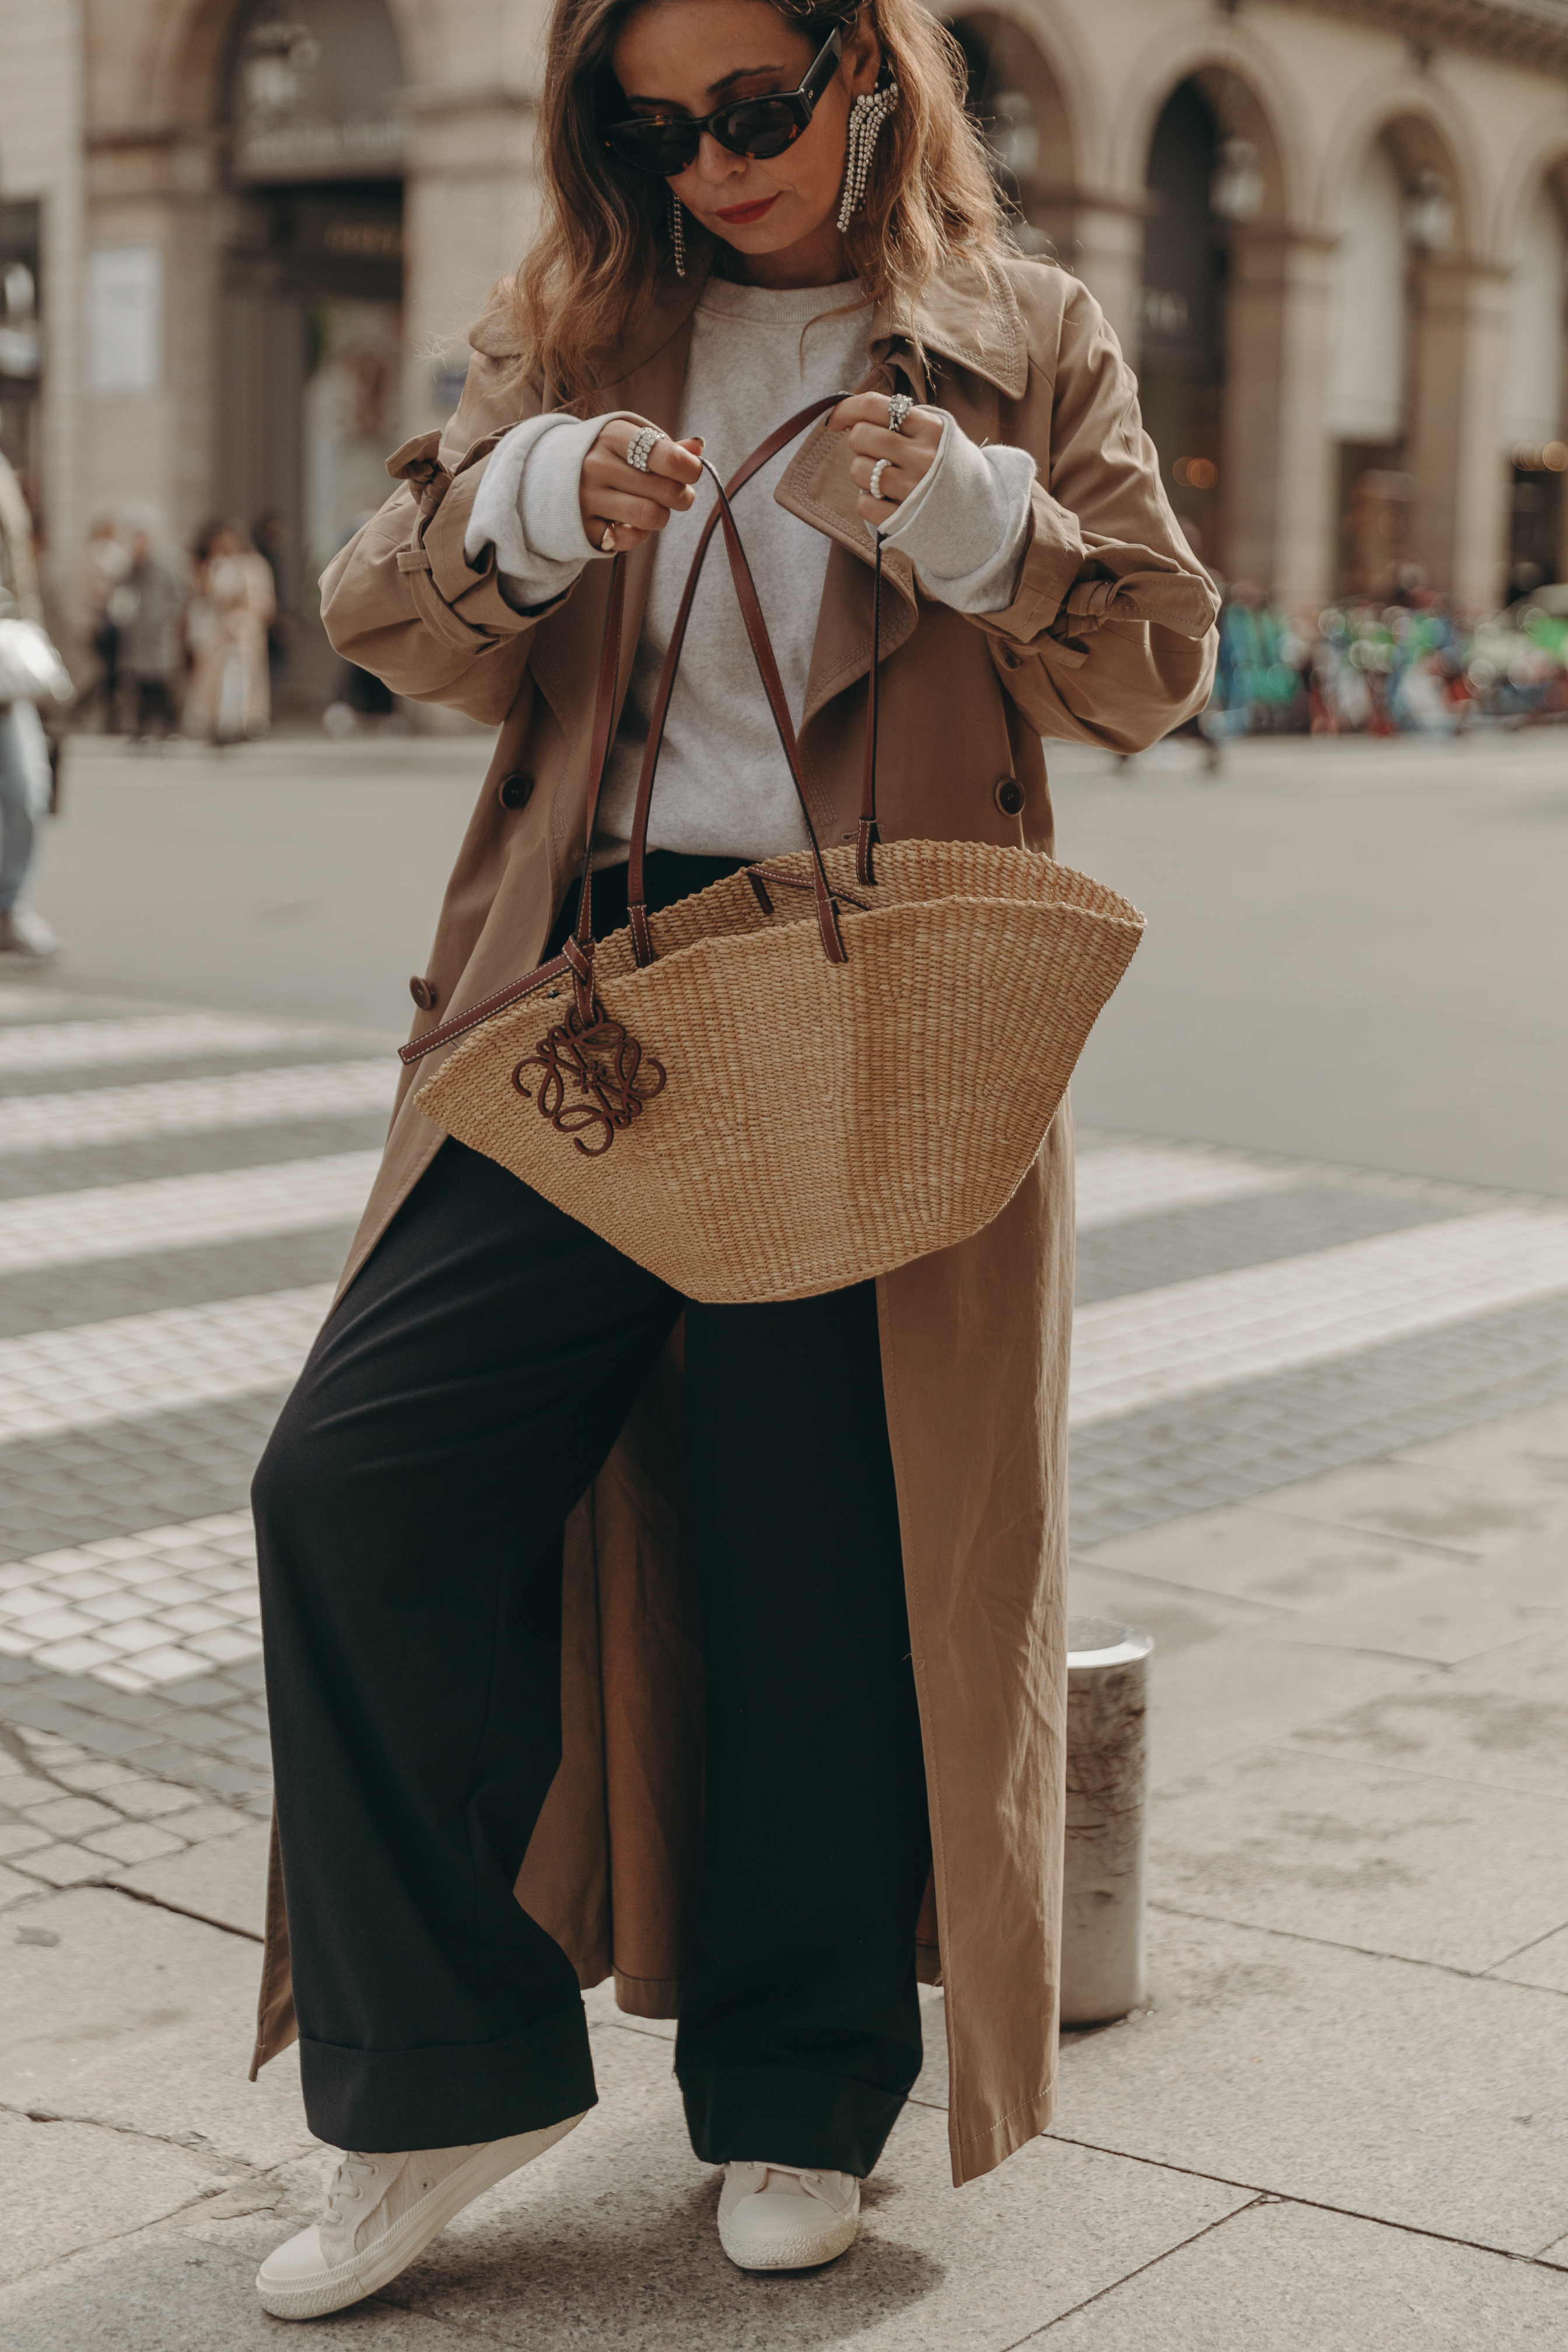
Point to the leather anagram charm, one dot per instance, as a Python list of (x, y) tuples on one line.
[(595, 1078)]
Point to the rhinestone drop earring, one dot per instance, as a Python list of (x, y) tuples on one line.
[(678, 234), (867, 117)]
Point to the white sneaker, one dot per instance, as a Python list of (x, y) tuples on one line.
[(784, 2217), (381, 2211), (24, 933)]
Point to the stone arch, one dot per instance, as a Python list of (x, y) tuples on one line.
[(1019, 59), (1540, 154), (1242, 86), (1219, 420), (182, 49), (1426, 130)]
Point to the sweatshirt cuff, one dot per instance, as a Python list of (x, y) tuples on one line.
[(526, 508), (965, 527)]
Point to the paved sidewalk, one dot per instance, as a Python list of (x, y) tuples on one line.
[(1321, 1450)]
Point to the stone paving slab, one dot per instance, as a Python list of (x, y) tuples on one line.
[(1399, 2092), (1216, 1701), (1458, 1873), (71, 2184), (1497, 1722), (139, 2019), (1282, 2278), (165, 2291), (1446, 1615), (223, 1879)]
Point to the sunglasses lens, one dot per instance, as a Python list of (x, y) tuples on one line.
[(766, 127), (663, 147)]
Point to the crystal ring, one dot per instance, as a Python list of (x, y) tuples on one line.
[(642, 445), (898, 406), (874, 489)]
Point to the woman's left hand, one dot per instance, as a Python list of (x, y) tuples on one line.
[(910, 452)]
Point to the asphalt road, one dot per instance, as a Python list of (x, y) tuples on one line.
[(1357, 951)]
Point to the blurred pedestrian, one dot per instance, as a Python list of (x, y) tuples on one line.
[(230, 693), (24, 772), (152, 599), (104, 566), (270, 533)]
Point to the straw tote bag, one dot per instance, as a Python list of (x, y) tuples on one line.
[(813, 1071)]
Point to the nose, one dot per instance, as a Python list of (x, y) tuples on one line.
[(716, 163)]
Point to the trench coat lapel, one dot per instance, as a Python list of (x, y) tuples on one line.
[(960, 317)]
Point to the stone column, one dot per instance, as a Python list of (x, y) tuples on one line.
[(1458, 501), (1303, 500), (1106, 230), (469, 209), (156, 447)]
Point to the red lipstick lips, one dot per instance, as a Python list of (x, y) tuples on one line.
[(743, 216)]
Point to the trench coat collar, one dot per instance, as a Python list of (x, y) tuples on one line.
[(965, 314)]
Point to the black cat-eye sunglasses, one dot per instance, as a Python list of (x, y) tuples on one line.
[(668, 144)]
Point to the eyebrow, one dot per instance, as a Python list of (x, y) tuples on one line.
[(715, 89)]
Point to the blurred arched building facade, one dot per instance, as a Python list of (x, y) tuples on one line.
[(1329, 233)]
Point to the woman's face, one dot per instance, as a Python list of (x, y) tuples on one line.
[(689, 56)]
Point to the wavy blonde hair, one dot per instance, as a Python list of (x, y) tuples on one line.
[(604, 237)]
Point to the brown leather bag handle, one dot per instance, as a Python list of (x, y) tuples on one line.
[(767, 668), (576, 961)]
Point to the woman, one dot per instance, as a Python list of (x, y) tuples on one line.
[(720, 1651), (234, 606)]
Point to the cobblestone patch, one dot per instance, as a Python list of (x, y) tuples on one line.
[(1193, 1455), (1185, 1244), (162, 1794), (124, 1475), (74, 1297), (138, 1611), (83, 1168)]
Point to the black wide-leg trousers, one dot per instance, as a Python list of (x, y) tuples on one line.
[(410, 1510)]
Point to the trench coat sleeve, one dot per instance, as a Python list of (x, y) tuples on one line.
[(1110, 637), (402, 600)]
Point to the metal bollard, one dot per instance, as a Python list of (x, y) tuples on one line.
[(1108, 1773)]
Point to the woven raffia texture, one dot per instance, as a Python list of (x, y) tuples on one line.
[(819, 1123)]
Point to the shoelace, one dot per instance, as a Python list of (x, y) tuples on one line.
[(348, 2182), (812, 2182)]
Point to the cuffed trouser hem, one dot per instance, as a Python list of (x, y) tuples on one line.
[(787, 2115), (381, 2100)]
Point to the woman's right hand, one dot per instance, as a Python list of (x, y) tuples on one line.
[(615, 495)]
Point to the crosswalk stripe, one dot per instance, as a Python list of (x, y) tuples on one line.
[(1117, 1181), (150, 1037), (169, 1213), (195, 1106), (1155, 1347), (177, 1359)]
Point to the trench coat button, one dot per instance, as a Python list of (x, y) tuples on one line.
[(515, 791), (1009, 795), (425, 993)]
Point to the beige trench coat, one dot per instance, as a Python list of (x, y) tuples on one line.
[(1110, 640)]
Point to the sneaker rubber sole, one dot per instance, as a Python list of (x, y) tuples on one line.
[(804, 2250), (335, 2288)]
